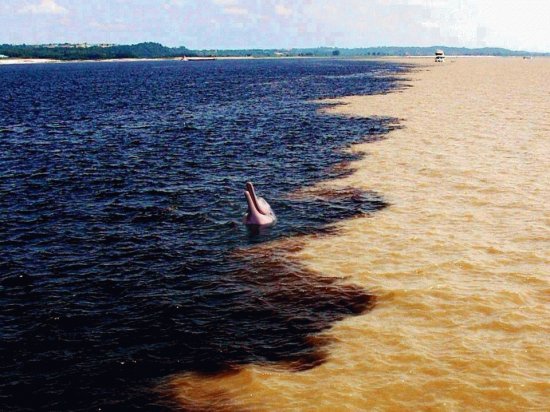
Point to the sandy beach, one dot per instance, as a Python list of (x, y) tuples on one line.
[(459, 261), (27, 61), (42, 61)]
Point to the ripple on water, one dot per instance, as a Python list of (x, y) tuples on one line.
[(121, 198)]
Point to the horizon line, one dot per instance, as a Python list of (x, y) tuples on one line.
[(273, 48)]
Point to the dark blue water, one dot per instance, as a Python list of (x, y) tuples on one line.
[(121, 199)]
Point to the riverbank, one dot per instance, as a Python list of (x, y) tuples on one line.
[(27, 61), (408, 59), (43, 61), (458, 261)]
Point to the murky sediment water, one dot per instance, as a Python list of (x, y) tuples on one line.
[(459, 261)]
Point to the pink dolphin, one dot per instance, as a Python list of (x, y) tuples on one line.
[(259, 212)]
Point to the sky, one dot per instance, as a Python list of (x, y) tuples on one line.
[(239, 24)]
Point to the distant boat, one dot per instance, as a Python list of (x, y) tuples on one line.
[(196, 59)]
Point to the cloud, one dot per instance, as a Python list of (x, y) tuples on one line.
[(281, 23), (110, 27), (430, 24), (225, 2), (176, 3), (238, 11), (43, 7), (232, 7), (281, 10)]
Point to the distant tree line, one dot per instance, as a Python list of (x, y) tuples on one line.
[(141, 50), (362, 52), (156, 50)]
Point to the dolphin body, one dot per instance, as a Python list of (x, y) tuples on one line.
[(259, 212)]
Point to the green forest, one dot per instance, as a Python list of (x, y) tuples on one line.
[(68, 52), (156, 50)]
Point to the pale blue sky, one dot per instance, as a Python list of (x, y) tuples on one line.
[(515, 24)]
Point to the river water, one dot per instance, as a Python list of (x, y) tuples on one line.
[(459, 261), (123, 256)]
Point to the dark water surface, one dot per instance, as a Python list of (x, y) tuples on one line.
[(121, 198)]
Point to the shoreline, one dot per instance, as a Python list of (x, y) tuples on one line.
[(129, 60), (403, 59), (457, 261)]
